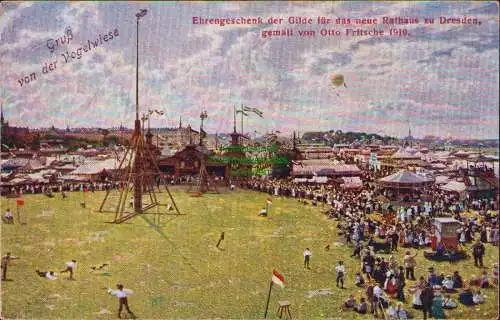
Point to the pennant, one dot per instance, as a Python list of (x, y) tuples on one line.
[(244, 113), (278, 279), (142, 13)]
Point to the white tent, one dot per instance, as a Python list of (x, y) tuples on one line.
[(454, 186), (351, 183), (442, 179)]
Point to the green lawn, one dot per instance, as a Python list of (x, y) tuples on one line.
[(176, 271)]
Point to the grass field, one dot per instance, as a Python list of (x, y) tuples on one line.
[(176, 271)]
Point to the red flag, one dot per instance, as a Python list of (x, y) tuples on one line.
[(20, 202), (278, 279)]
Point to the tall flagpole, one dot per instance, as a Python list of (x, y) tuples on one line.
[(268, 298), (241, 119), (137, 130), (234, 116)]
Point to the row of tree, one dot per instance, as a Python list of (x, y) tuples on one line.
[(339, 137)]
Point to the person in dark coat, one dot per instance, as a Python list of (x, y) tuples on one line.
[(478, 251), (357, 250), (400, 278), (427, 296), (5, 263), (483, 236), (394, 241), (466, 297), (457, 280)]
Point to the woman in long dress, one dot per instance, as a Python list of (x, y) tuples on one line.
[(462, 238), (437, 307)]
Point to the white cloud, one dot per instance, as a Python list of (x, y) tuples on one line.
[(435, 74)]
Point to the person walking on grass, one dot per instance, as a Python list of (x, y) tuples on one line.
[(70, 267), (478, 253), (340, 270), (307, 258), (410, 263), (121, 294), (427, 296), (5, 263)]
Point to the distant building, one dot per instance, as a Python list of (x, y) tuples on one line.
[(408, 141), (13, 135), (174, 138)]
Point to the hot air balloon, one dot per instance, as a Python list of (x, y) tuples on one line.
[(337, 81)]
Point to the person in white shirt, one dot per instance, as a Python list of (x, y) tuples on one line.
[(121, 294), (448, 303), (379, 298), (47, 274), (400, 312), (8, 217), (397, 312), (448, 284), (263, 212), (307, 258), (478, 298), (340, 269), (70, 267)]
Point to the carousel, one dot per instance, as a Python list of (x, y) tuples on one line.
[(404, 185), (403, 188)]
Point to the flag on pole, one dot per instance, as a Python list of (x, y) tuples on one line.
[(254, 110), (278, 279), (244, 113), (142, 13)]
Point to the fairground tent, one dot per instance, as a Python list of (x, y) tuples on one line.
[(454, 186), (405, 179)]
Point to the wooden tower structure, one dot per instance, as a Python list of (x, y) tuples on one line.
[(138, 169)]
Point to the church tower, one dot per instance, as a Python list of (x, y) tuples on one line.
[(6, 124)]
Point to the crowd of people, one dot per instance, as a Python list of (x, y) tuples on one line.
[(409, 228)]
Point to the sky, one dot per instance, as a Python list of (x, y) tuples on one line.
[(440, 80)]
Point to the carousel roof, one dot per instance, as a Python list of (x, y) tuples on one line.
[(405, 178)]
